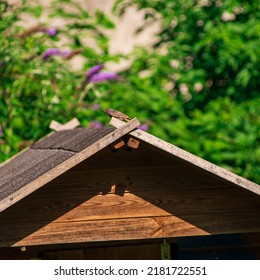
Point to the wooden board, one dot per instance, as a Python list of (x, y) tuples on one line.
[(157, 198), (125, 229), (236, 246), (192, 159), (105, 252), (122, 250)]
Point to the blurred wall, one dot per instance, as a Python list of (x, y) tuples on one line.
[(122, 39)]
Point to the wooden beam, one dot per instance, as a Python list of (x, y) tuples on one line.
[(190, 158), (69, 125), (69, 163)]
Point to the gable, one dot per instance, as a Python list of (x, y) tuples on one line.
[(96, 194), (51, 157), (45, 155), (142, 194), (194, 160)]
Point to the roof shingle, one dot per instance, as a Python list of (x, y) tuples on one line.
[(45, 155)]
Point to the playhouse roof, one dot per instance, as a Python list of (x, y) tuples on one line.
[(60, 151)]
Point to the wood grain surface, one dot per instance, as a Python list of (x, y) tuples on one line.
[(220, 172), (126, 196)]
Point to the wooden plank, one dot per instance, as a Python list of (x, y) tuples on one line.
[(73, 123), (208, 210), (68, 164), (141, 182), (127, 229), (133, 249), (141, 157), (154, 204), (112, 206), (190, 158), (104, 230), (67, 208), (71, 206), (105, 252), (138, 179)]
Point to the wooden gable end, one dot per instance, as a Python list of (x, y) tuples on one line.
[(142, 194), (52, 156)]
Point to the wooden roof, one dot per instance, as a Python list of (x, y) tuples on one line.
[(60, 151)]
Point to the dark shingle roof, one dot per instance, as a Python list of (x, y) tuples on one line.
[(74, 140), (28, 166), (45, 155)]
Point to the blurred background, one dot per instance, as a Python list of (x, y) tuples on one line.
[(189, 70)]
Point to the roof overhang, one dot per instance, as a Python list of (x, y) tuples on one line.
[(208, 167)]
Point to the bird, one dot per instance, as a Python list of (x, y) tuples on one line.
[(117, 114)]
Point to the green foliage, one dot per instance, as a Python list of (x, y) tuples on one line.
[(204, 85), (103, 20), (216, 43), (230, 138), (35, 90), (197, 88)]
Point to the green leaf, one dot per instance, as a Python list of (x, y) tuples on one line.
[(34, 10), (103, 20)]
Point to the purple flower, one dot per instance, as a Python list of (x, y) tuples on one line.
[(95, 107), (51, 32), (95, 124), (1, 130), (100, 77), (94, 70), (144, 127), (50, 52)]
